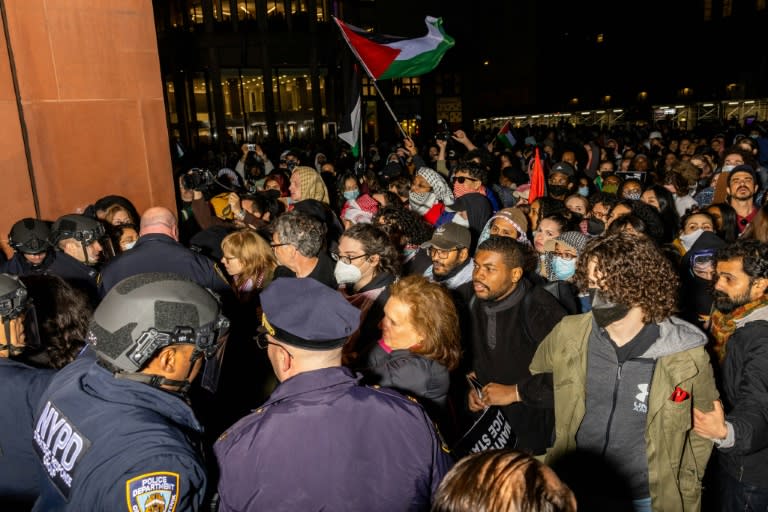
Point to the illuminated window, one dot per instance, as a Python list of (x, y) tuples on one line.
[(246, 10), (195, 9), (276, 8), (408, 86), (293, 90), (221, 10), (367, 88), (170, 92)]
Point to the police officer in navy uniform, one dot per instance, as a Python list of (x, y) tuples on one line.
[(114, 433), (33, 242), (21, 390), (158, 250), (323, 441)]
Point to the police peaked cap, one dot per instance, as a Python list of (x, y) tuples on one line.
[(307, 314)]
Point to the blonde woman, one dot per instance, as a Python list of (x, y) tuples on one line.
[(249, 260)]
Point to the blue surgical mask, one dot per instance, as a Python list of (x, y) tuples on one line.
[(349, 195), (584, 191), (563, 269)]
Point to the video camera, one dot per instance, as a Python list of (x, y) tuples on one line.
[(198, 179)]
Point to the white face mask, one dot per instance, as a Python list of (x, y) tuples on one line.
[(129, 245), (727, 168), (346, 273), (460, 220), (690, 239)]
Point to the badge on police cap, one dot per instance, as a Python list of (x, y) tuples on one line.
[(153, 492)]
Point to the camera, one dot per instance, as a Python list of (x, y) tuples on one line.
[(251, 147), (198, 179), (443, 132)]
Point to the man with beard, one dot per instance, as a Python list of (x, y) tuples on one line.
[(739, 426), (742, 187), (509, 316), (449, 250)]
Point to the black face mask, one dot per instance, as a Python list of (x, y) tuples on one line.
[(595, 226), (604, 312), (558, 190)]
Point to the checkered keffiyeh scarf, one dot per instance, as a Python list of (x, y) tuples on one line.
[(439, 186), (312, 185)]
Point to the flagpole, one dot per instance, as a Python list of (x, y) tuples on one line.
[(386, 104), (370, 75)]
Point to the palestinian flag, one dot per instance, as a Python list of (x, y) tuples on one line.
[(350, 123), (395, 57), (505, 136)]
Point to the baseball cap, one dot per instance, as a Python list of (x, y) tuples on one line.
[(449, 236), (563, 168)]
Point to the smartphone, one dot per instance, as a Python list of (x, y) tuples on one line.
[(251, 147), (476, 385)]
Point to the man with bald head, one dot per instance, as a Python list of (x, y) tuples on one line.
[(158, 250)]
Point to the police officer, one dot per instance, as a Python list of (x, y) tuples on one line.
[(158, 250), (116, 432), (323, 441), (22, 388), (79, 243), (29, 240)]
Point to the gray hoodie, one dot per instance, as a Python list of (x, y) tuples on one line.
[(617, 399)]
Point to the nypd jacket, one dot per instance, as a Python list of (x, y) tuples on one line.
[(106, 444), (322, 441), (161, 253), (21, 389), (676, 456)]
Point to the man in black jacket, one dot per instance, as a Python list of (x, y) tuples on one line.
[(509, 317), (739, 427)]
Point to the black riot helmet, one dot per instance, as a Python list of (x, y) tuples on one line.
[(85, 230), (14, 301), (30, 236), (144, 313)]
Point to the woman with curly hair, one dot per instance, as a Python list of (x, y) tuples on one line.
[(408, 231), (626, 377)]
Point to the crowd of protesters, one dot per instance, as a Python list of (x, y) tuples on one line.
[(611, 310)]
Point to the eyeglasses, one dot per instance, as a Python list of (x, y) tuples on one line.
[(275, 246), (462, 179), (346, 259), (565, 255), (262, 342), (441, 254)]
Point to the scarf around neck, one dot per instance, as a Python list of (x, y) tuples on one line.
[(724, 324)]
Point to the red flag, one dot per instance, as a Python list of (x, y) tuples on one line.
[(537, 179)]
